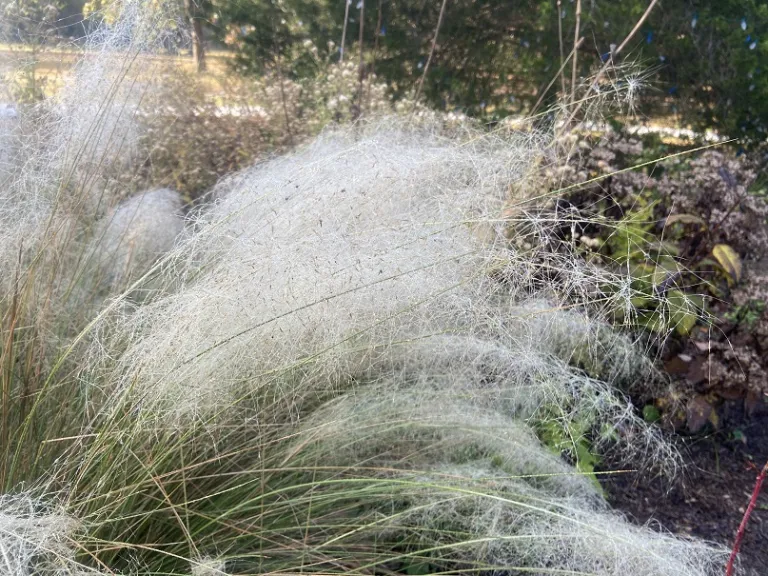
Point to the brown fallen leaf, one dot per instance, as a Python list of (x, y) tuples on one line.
[(698, 413)]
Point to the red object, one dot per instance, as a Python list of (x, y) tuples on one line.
[(745, 519)]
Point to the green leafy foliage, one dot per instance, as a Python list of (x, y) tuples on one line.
[(651, 413), (29, 21), (291, 37), (748, 314), (572, 437), (494, 59), (703, 59), (688, 238)]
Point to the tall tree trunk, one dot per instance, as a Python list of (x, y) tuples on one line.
[(344, 31), (373, 58), (361, 68), (431, 53), (198, 39), (576, 33)]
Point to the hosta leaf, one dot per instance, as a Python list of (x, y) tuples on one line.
[(729, 260)]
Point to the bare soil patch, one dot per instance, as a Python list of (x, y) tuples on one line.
[(708, 500)]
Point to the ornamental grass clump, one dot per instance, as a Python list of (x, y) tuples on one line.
[(327, 377), (339, 365)]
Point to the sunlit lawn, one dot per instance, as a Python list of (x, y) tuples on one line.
[(53, 65)]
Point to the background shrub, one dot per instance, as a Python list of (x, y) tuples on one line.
[(704, 58), (692, 227), (191, 138)]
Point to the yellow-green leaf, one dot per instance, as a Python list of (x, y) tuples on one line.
[(684, 219), (683, 312), (640, 301), (684, 323), (729, 260), (714, 419)]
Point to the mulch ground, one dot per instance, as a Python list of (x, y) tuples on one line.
[(709, 498)]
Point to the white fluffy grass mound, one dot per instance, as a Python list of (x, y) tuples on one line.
[(31, 536), (319, 259), (338, 301), (7, 127), (137, 232)]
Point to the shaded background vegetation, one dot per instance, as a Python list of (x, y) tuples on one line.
[(492, 58)]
